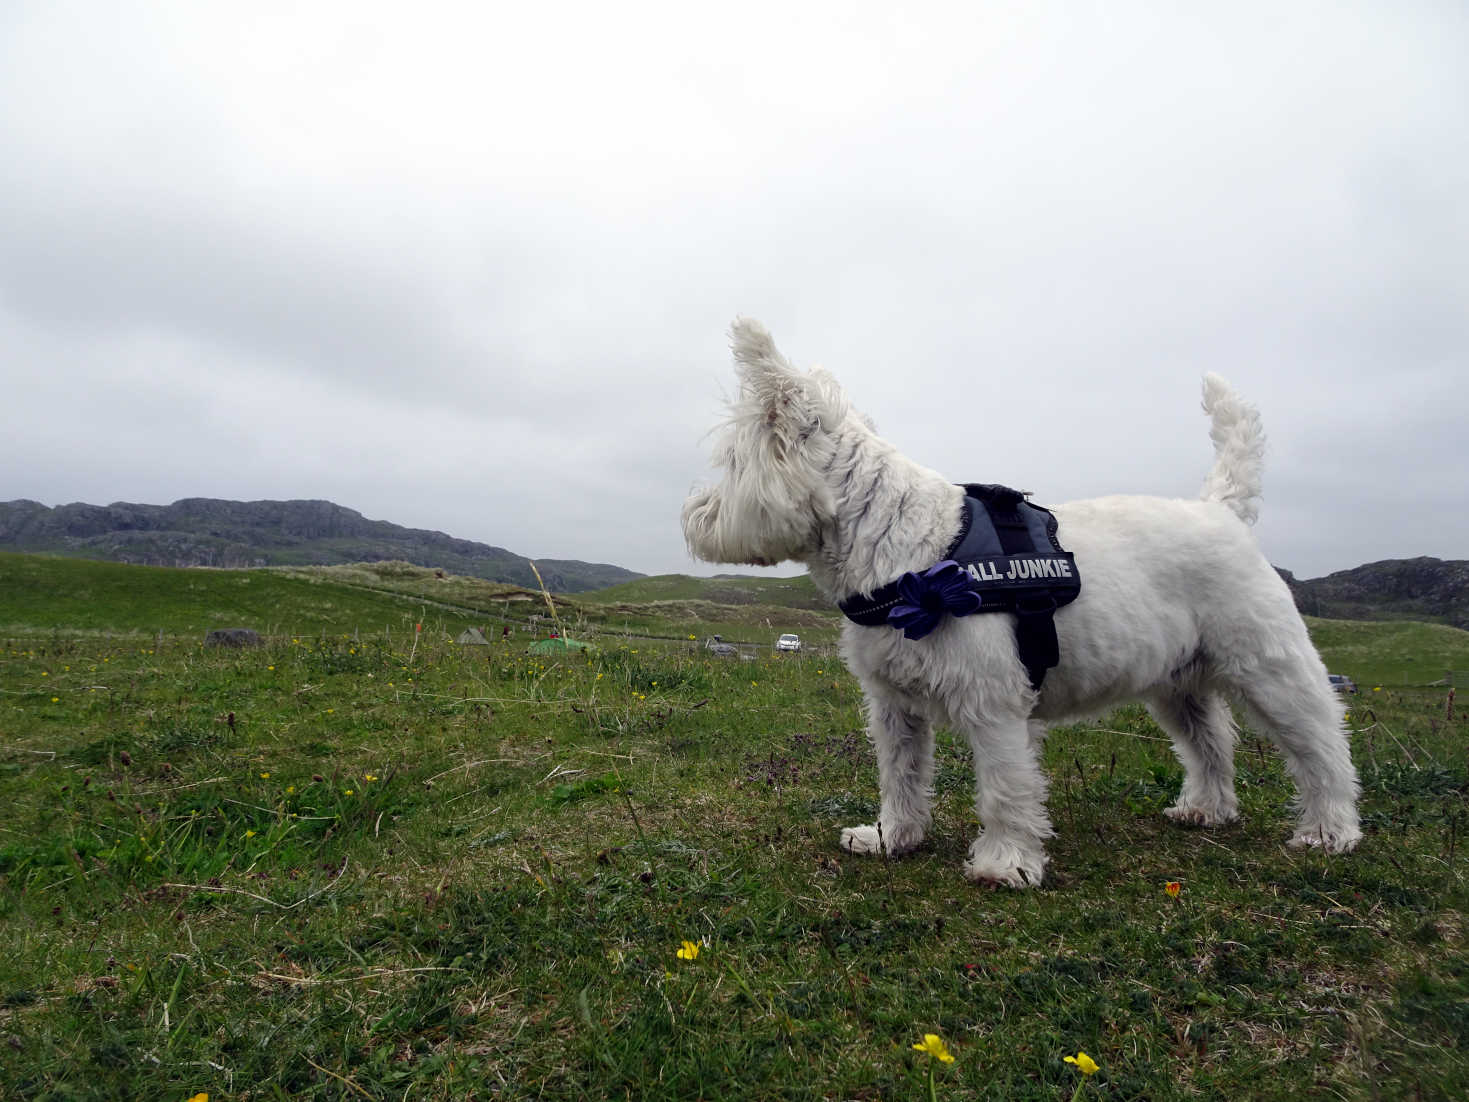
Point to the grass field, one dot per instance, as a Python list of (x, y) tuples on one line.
[(789, 592), (39, 592), (362, 862)]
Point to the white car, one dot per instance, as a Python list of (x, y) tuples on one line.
[(788, 642)]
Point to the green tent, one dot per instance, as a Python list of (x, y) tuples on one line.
[(558, 646)]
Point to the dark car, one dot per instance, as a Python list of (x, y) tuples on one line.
[(719, 648), (1342, 683)]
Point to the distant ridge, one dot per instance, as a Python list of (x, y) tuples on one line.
[(199, 531), (1424, 588)]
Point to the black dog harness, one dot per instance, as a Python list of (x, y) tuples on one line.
[(1004, 559)]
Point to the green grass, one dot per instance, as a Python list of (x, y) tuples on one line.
[(1392, 652), (347, 866), (44, 592), (797, 592), (75, 595)]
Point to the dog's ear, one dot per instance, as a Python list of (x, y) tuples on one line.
[(789, 401), (766, 377)]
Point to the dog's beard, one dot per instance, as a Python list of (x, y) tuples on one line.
[(727, 525)]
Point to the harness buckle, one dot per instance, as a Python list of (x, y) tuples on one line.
[(1035, 604)]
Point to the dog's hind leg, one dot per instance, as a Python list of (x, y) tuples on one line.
[(1010, 797), (1294, 706), (903, 739), (1203, 732)]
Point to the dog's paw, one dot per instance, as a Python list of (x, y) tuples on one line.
[(861, 839), (1196, 816), (1341, 840), (1004, 863), (867, 839)]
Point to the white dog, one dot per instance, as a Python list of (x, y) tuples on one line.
[(1177, 606)]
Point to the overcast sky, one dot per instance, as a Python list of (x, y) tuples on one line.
[(471, 267)]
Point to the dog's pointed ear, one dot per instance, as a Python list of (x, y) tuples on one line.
[(786, 396), (765, 375)]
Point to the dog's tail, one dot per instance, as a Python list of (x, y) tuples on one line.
[(1239, 450)]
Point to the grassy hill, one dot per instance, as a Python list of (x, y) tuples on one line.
[(39, 591), (1399, 652), (388, 866), (795, 592)]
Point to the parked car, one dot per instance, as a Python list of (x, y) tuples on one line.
[(1342, 683), (788, 642), (719, 648)]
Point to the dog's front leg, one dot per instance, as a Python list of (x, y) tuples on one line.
[(1011, 802), (903, 740)]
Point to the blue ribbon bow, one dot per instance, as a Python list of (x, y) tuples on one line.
[(924, 598)]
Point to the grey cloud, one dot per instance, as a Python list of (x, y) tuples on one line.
[(462, 275)]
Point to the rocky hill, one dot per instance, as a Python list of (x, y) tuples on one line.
[(212, 532), (1435, 590)]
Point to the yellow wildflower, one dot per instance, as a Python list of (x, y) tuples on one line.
[(1173, 887), (1084, 1063), (933, 1044), (689, 951)]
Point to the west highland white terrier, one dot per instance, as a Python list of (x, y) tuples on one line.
[(1177, 607)]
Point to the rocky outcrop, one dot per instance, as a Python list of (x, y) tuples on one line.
[(1435, 590)]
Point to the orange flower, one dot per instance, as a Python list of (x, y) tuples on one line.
[(1173, 887)]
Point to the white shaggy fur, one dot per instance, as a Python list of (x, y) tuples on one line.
[(1178, 607)]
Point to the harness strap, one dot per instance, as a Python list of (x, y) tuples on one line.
[(1035, 636)]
